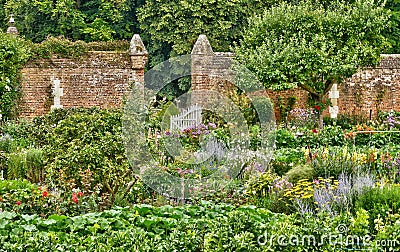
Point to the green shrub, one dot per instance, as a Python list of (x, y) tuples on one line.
[(380, 203), (302, 171), (16, 165), (285, 159), (285, 139), (12, 185), (35, 166), (260, 184), (89, 139), (13, 56)]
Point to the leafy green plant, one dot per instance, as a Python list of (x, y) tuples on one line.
[(299, 172), (285, 139), (13, 55), (380, 203), (35, 166), (90, 139), (16, 165), (285, 107), (285, 159)]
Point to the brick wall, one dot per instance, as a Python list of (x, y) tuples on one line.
[(367, 92), (98, 79)]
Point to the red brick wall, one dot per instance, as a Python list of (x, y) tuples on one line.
[(98, 79), (367, 92)]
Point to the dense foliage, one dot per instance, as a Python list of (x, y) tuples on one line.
[(192, 228), (88, 20), (311, 46), (13, 55)]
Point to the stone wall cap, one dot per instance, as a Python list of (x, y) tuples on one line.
[(390, 55), (137, 47), (228, 54), (202, 46)]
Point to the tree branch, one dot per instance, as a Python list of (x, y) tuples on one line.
[(309, 89)]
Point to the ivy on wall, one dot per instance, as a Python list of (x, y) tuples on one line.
[(16, 51), (66, 48), (13, 56)]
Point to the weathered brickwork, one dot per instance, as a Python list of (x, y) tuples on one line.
[(102, 79), (367, 92), (99, 79)]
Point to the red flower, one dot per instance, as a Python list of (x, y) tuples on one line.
[(74, 198), (80, 194), (18, 202), (314, 131), (45, 194), (317, 107)]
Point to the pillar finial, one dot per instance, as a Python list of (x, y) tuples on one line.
[(12, 29), (202, 46)]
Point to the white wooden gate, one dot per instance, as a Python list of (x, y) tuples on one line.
[(187, 118)]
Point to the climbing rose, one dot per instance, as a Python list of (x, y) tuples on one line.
[(80, 194)]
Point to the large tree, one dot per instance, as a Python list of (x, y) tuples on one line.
[(171, 28), (89, 20), (312, 45)]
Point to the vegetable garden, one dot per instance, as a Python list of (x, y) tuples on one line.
[(68, 186)]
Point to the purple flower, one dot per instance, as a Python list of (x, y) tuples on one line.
[(212, 125), (167, 133)]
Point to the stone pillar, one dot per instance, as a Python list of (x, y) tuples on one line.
[(139, 57), (202, 56), (334, 96)]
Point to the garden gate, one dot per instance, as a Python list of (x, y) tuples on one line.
[(187, 118)]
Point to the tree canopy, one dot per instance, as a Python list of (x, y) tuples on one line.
[(312, 46), (89, 20)]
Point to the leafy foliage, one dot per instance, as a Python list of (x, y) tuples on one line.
[(310, 46), (313, 46), (88, 20), (90, 140), (13, 55)]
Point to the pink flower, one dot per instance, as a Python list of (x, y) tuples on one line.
[(80, 194), (18, 202)]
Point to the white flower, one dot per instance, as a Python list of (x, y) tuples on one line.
[(7, 87)]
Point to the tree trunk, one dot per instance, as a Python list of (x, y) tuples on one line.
[(321, 118)]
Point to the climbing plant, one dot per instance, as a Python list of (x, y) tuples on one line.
[(13, 55)]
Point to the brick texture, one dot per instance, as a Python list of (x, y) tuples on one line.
[(366, 93), (100, 79)]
